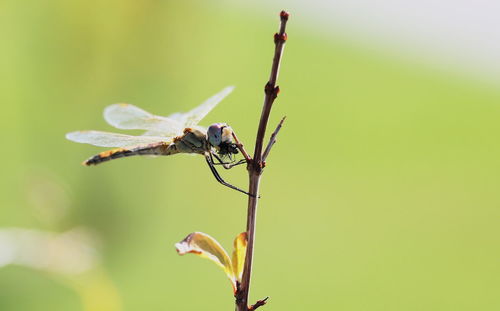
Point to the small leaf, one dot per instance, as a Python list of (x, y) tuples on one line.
[(239, 253), (203, 245)]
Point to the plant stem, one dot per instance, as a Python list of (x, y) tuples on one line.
[(256, 165)]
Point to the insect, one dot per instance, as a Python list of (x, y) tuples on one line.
[(177, 133)]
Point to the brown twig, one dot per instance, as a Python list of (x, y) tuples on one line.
[(255, 165), (270, 88), (241, 148), (258, 304), (272, 141)]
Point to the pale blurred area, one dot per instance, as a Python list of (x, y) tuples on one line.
[(457, 36), (381, 193), (67, 253), (71, 258)]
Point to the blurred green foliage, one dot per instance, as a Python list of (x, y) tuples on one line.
[(381, 193)]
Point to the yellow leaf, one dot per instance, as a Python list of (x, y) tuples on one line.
[(205, 246), (239, 253)]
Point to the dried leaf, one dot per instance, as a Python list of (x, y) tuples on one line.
[(203, 245), (239, 253)]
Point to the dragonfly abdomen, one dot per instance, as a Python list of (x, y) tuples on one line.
[(160, 148)]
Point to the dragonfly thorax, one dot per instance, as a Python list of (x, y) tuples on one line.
[(220, 136)]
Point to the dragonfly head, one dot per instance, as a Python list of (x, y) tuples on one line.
[(220, 136)]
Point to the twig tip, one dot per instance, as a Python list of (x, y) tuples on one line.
[(284, 15), (258, 304)]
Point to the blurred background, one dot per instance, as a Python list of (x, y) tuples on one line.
[(381, 193)]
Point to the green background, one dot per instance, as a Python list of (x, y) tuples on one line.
[(381, 193)]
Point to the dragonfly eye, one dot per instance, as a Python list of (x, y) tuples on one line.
[(214, 134)]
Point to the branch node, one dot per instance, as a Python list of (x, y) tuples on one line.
[(280, 38), (268, 88)]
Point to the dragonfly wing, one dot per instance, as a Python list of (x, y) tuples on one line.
[(130, 117), (192, 117), (106, 139)]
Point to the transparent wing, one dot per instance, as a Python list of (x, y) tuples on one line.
[(130, 117), (106, 139), (192, 117)]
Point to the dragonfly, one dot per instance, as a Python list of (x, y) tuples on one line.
[(175, 134)]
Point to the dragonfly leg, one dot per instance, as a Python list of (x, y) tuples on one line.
[(226, 165), (221, 162), (242, 161), (219, 178)]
